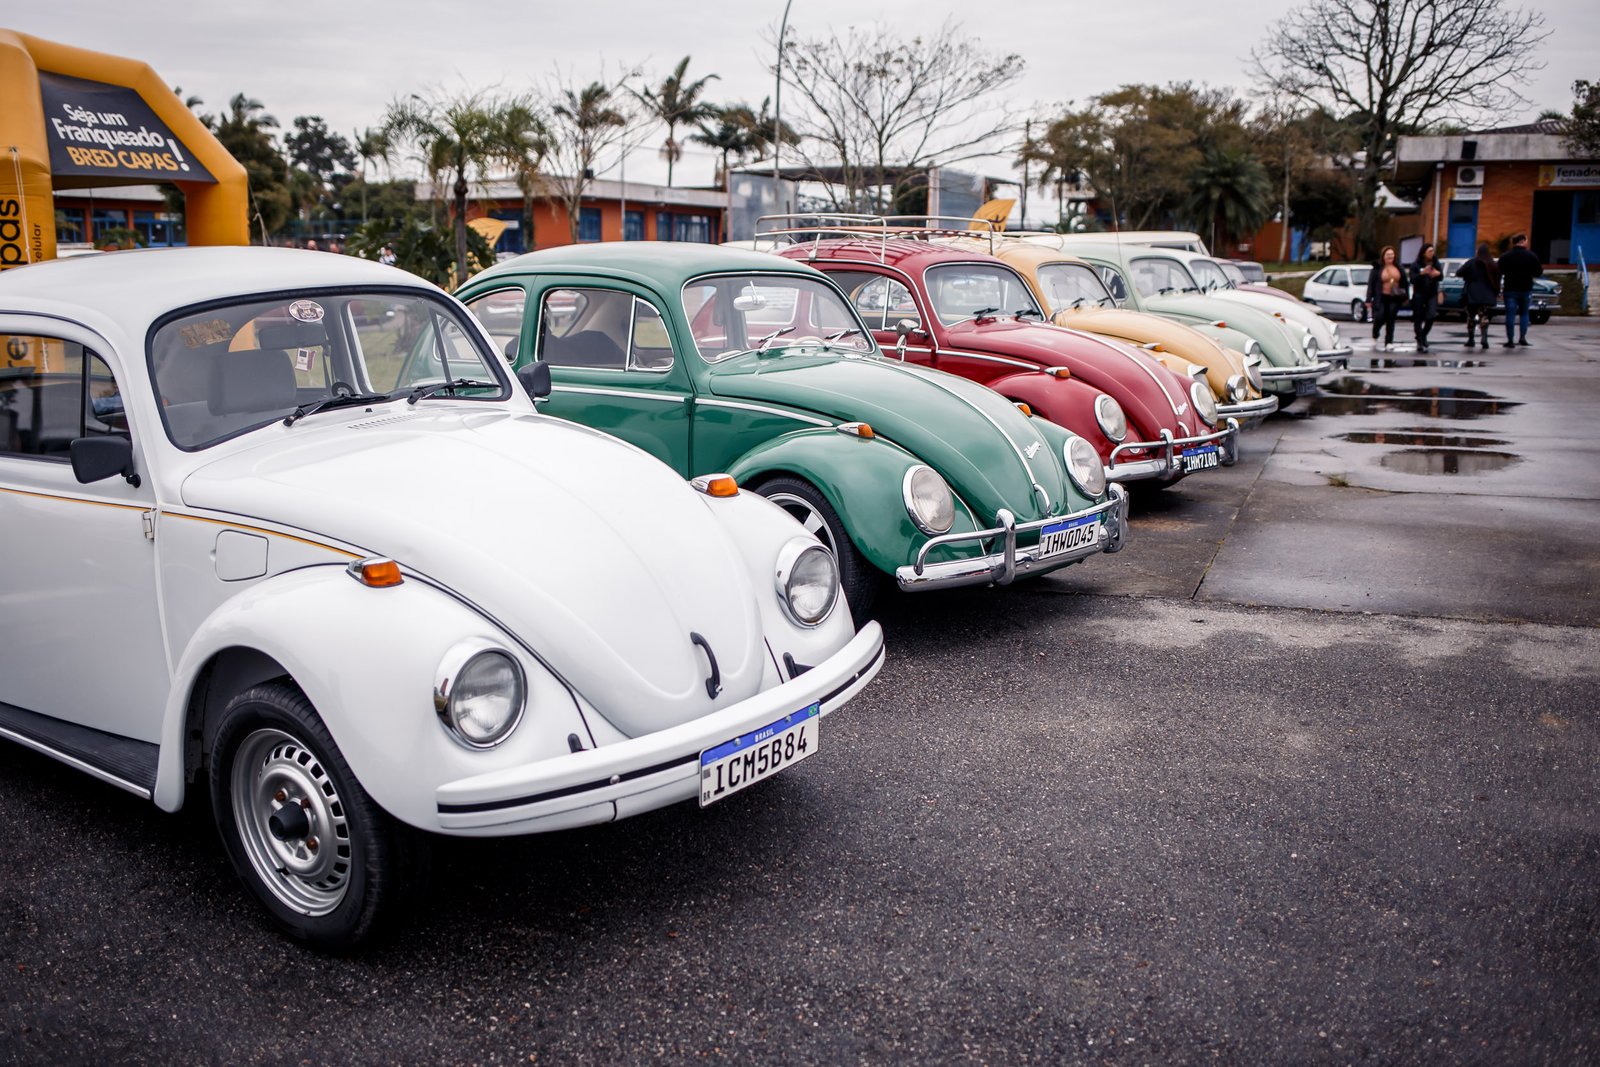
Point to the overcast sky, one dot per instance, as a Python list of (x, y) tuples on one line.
[(345, 59)]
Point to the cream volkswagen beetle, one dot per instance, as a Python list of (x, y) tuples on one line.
[(293, 534)]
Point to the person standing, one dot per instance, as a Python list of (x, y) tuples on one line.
[(1518, 268), (1386, 295), (1481, 280), (1425, 275)]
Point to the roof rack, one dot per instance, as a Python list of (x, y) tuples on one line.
[(815, 226)]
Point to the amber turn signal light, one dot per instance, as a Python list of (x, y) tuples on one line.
[(1058, 372), (857, 429), (377, 573), (716, 485), (1025, 409)]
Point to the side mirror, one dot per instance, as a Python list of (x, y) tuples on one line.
[(904, 328), (95, 459), (535, 378)]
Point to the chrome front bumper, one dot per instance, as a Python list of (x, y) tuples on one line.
[(1249, 412), (642, 773), (1011, 562), (1164, 464), (1302, 381)]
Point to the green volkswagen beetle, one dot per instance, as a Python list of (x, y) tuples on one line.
[(719, 361)]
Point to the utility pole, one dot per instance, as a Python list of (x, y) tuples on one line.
[(1027, 143), (777, 100)]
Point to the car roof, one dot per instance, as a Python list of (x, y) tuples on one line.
[(139, 286), (667, 264), (901, 252)]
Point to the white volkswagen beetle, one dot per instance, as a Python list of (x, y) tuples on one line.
[(284, 527)]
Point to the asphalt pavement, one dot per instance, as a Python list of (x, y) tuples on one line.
[(1306, 774)]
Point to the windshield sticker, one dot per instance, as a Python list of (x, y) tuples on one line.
[(306, 310), (201, 334), (305, 359)]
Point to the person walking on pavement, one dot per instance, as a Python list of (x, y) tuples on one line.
[(1481, 280), (1425, 275), (1518, 268), (1386, 294)]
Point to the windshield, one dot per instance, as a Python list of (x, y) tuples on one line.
[(1235, 275), (961, 291), (735, 314), (1153, 275), (1068, 285), (1208, 274), (228, 369)]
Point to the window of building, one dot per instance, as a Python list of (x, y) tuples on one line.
[(664, 230), (692, 228), (159, 229), (589, 224), (52, 392), (633, 226), (511, 241), (105, 225)]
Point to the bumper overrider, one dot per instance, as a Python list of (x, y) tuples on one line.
[(1012, 562), (1302, 380), (648, 772), (1165, 464)]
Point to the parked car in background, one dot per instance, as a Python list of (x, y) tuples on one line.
[(1544, 300), (1248, 271), (293, 535), (1320, 338), (974, 316), (1340, 289), (718, 360)]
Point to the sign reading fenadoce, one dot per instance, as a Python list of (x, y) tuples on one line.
[(108, 131)]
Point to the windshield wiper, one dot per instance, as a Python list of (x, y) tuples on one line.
[(423, 391), (762, 342), (344, 400), (982, 312), (842, 333), (1028, 311)]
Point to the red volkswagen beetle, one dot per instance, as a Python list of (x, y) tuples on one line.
[(972, 315)]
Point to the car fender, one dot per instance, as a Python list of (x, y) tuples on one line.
[(1066, 402), (367, 659), (860, 478)]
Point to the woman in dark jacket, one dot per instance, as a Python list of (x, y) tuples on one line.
[(1482, 284), (1425, 275), (1386, 294)]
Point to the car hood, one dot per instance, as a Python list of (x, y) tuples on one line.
[(598, 557), (991, 454), (1300, 315), (1280, 346), (1136, 327), (1153, 397)]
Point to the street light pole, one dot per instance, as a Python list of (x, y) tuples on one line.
[(777, 99)]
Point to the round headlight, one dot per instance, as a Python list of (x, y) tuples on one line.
[(1205, 405), (808, 581), (1083, 464), (1112, 419), (1252, 370), (1238, 388), (1311, 346), (480, 696), (929, 501)]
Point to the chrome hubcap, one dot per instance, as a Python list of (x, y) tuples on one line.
[(291, 822), (807, 516)]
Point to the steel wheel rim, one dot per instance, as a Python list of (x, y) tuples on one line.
[(309, 874), (806, 514)]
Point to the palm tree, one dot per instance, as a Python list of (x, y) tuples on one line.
[(584, 124), (371, 146), (676, 102), (462, 138), (1229, 192), (729, 131)]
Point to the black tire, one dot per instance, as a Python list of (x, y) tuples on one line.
[(858, 579), (338, 898), (1358, 310), (1538, 318)]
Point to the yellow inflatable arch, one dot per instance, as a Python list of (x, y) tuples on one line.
[(75, 119)]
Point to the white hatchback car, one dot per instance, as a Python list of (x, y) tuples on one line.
[(1340, 288), (333, 567)]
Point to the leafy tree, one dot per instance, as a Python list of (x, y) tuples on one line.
[(882, 108), (315, 148), (1582, 128), (676, 102), (245, 130), (1391, 65), (1229, 193), (586, 126), (461, 138), (425, 250)]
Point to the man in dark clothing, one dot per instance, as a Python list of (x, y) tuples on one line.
[(1518, 268)]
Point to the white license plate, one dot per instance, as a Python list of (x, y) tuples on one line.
[(746, 760), (1305, 386), (1200, 459), (1069, 534)]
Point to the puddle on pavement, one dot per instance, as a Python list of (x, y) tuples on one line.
[(1356, 396), (1419, 436), (1447, 461), (1386, 363)]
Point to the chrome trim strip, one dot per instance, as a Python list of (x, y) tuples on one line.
[(812, 419), (634, 394), (73, 761), (959, 354)]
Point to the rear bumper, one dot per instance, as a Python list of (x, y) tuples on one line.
[(643, 773), (1011, 562), (1166, 465)]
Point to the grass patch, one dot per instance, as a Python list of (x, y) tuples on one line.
[(1295, 287), (1339, 481)]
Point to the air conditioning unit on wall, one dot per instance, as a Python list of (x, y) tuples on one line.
[(1469, 175)]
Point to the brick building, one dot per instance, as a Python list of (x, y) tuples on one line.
[(1491, 184)]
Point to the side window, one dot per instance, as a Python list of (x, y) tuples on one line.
[(1340, 277), (1114, 282), (602, 329), (1324, 277), (881, 301), (501, 313), (51, 392)]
